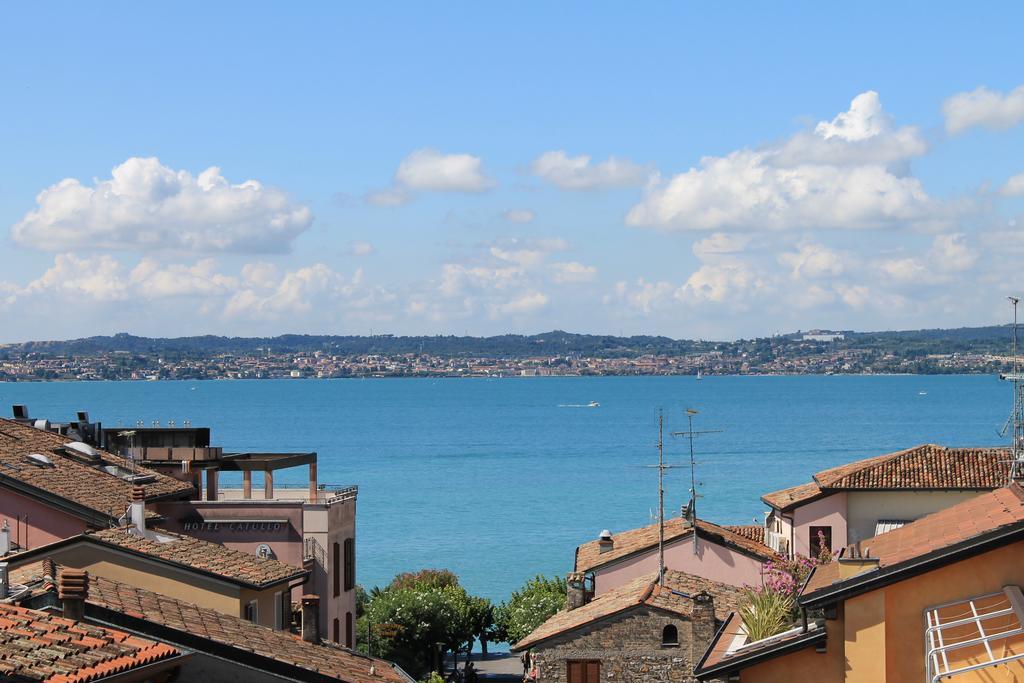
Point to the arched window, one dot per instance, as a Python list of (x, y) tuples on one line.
[(670, 635)]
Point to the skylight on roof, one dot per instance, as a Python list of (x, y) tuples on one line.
[(39, 460), (128, 475)]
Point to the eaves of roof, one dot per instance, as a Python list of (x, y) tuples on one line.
[(877, 578)]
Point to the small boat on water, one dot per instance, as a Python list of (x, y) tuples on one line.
[(699, 376), (593, 404), (922, 393)]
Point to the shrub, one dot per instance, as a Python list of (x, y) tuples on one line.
[(766, 612)]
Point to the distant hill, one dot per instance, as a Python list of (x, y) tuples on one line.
[(992, 339)]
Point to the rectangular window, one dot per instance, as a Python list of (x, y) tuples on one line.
[(336, 568), (286, 610), (348, 630), (252, 612), (337, 631), (278, 611), (821, 536), (588, 671), (350, 563)]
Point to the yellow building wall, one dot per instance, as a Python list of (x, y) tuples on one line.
[(806, 665), (906, 601), (878, 637), (166, 580)]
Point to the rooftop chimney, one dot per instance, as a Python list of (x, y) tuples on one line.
[(311, 618), (5, 539), (577, 591), (702, 625), (73, 589), (5, 581), (20, 412), (138, 516), (604, 541)]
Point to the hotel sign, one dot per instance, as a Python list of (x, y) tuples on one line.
[(236, 526)]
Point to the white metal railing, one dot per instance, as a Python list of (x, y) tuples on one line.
[(776, 542)]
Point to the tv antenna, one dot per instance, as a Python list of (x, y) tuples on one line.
[(1017, 416), (661, 467), (690, 511)]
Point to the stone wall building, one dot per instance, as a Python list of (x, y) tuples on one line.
[(640, 631)]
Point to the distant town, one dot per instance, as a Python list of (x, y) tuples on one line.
[(127, 357)]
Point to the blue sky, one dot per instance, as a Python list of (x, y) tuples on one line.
[(695, 170)]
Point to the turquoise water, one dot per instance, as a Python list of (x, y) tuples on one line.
[(492, 479)]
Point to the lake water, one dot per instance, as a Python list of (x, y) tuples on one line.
[(497, 481)]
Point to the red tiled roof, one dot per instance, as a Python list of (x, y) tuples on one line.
[(754, 532), (244, 636), (41, 647), (68, 478), (197, 554), (641, 591), (926, 467), (625, 543), (974, 517)]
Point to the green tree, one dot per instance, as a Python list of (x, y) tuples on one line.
[(529, 607), (419, 617)]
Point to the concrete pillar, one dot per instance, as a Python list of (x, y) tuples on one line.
[(311, 618), (247, 484), (312, 483), (197, 483), (211, 484), (268, 484)]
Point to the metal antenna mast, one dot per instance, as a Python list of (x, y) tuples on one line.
[(661, 467), (1017, 417), (691, 508)]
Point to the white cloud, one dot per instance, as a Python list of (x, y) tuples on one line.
[(98, 278), (389, 196), (951, 253), (644, 297), (572, 272), (530, 302), (150, 280), (813, 261), (720, 243), (360, 248), (519, 216), (428, 169), (837, 177), (985, 108), (577, 173), (1014, 186), (148, 206), (728, 282)]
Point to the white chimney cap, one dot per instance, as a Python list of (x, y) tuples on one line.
[(605, 535)]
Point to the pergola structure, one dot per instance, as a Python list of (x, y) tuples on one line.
[(268, 463), (977, 633)]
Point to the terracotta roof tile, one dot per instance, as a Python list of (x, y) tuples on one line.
[(925, 467), (625, 543), (327, 659), (38, 646), (71, 478), (640, 591), (754, 532), (974, 517), (197, 554)]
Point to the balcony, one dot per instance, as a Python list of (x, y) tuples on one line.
[(776, 542)]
